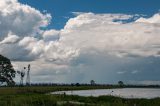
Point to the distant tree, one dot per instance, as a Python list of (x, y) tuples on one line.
[(92, 82), (7, 72), (120, 83), (77, 84)]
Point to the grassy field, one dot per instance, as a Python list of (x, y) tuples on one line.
[(36, 96)]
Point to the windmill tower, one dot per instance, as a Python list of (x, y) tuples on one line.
[(28, 75), (22, 74)]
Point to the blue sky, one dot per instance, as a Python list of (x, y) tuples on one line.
[(61, 10), (108, 41)]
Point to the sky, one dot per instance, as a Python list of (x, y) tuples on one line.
[(61, 10), (76, 41)]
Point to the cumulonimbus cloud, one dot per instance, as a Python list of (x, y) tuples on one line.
[(100, 32), (85, 33)]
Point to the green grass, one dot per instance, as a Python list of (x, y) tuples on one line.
[(46, 89), (36, 96)]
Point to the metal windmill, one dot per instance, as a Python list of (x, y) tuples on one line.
[(22, 74), (28, 75)]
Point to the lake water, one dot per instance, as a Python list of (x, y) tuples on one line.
[(122, 92)]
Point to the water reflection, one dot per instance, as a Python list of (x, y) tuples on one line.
[(124, 92)]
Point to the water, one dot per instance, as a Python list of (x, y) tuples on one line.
[(122, 92)]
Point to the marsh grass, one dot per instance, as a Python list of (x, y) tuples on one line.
[(37, 96)]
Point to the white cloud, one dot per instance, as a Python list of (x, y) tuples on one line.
[(10, 39), (134, 71), (85, 33), (153, 20), (145, 82), (21, 20), (121, 72), (55, 51), (51, 35), (33, 45), (94, 19), (100, 32)]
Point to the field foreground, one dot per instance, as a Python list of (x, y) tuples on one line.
[(38, 96)]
